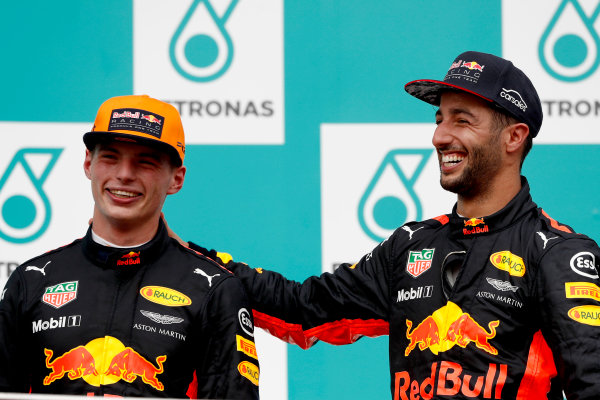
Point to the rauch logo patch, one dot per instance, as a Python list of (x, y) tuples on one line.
[(165, 296), (589, 315), (507, 261)]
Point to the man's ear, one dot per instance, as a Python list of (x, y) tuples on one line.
[(177, 180), (516, 137), (87, 163)]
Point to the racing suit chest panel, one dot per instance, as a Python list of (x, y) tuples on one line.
[(490, 296), (106, 315)]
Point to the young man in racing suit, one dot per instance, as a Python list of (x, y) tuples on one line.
[(128, 311), (467, 298)]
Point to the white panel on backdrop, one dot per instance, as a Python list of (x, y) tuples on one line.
[(220, 62), (45, 198), (375, 177), (272, 356), (559, 49)]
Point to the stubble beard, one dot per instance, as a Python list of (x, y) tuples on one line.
[(484, 162)]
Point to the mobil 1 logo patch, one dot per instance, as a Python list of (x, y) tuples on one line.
[(584, 263), (52, 323), (412, 294)]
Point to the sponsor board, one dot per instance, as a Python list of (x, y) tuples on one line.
[(45, 198), (559, 50), (219, 62), (374, 178)]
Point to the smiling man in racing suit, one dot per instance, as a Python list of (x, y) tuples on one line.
[(128, 311), (490, 301)]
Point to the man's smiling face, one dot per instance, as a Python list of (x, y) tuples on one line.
[(467, 143)]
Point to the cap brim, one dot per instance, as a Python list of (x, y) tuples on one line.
[(430, 90), (92, 138)]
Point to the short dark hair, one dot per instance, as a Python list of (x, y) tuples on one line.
[(501, 119)]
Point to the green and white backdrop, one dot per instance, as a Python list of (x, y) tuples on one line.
[(303, 150)]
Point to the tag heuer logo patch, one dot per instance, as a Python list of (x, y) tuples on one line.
[(419, 261), (60, 294)]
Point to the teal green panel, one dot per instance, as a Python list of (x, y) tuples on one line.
[(564, 182), (61, 59)]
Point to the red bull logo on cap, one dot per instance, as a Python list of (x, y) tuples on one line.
[(151, 118), (472, 65), (447, 327), (104, 361)]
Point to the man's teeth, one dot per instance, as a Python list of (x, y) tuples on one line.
[(123, 193), (452, 158)]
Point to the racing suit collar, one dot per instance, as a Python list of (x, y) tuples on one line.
[(125, 258), (517, 207)]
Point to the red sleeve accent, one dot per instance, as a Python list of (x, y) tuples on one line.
[(443, 219), (192, 391), (535, 384), (554, 223), (340, 332)]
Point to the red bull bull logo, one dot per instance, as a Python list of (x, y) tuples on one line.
[(472, 65), (474, 222), (104, 361), (151, 118), (447, 327), (76, 363), (450, 380)]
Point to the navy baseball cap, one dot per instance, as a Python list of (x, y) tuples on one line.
[(491, 78)]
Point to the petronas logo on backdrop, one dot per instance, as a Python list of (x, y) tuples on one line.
[(390, 199), (25, 210), (569, 49), (201, 49)]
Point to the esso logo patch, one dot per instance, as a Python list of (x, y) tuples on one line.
[(246, 321), (584, 263)]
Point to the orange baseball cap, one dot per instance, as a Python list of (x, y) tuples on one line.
[(142, 119)]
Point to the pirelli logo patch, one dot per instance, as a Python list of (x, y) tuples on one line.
[(246, 346), (582, 290)]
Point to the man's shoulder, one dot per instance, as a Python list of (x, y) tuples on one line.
[(550, 234), (52, 254), (201, 264)]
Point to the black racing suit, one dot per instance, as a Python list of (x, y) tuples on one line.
[(522, 277), (158, 320)]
